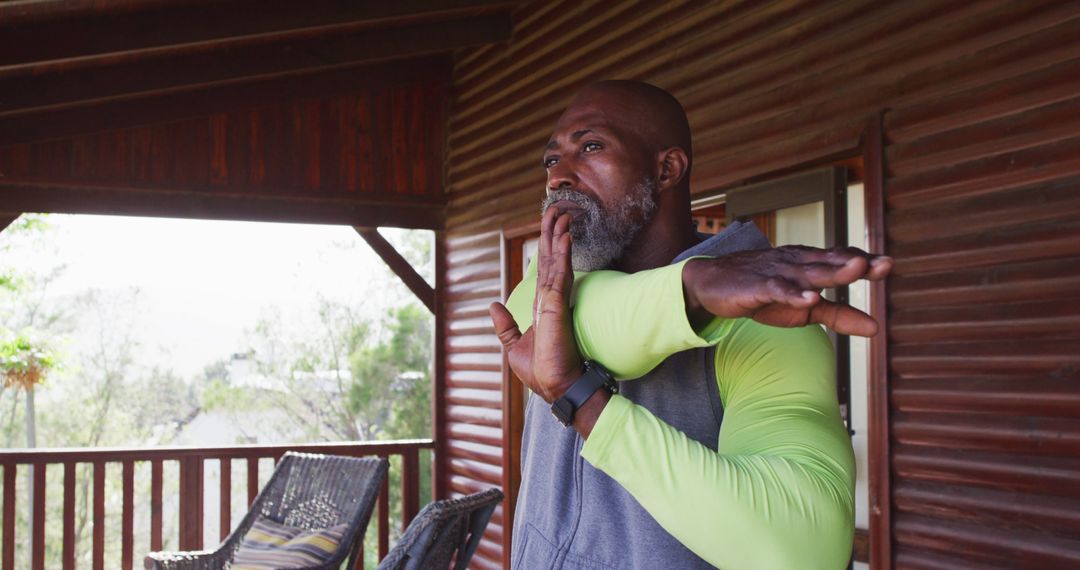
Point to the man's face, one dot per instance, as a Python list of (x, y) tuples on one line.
[(597, 174)]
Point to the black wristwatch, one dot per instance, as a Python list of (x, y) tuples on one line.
[(594, 378)]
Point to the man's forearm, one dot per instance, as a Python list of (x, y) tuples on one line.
[(585, 418)]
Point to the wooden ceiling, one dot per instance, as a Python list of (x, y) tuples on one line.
[(66, 58), (95, 73)]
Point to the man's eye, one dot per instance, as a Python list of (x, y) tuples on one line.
[(591, 147), (550, 161)]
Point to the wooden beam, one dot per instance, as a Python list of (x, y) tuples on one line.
[(6, 219), (49, 90), (71, 199), (115, 114), (400, 266), (34, 32)]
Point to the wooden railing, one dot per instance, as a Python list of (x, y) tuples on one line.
[(191, 464)]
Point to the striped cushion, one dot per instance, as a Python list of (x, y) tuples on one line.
[(270, 545)]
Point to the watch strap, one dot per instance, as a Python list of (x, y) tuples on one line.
[(594, 378)]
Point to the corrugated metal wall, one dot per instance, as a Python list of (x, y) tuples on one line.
[(981, 105)]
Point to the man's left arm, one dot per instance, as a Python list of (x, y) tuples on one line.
[(778, 492)]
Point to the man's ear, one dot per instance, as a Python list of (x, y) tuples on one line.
[(673, 166)]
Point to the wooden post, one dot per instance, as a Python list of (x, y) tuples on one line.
[(879, 459), (438, 381)]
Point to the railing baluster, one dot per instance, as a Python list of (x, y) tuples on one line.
[(384, 518), (37, 551), (155, 504), (225, 498), (10, 471), (252, 478), (191, 502), (69, 514), (410, 486), (99, 515), (127, 516), (199, 480)]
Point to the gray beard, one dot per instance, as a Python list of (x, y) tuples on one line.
[(602, 235)]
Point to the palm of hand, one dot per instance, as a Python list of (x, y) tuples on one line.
[(545, 357)]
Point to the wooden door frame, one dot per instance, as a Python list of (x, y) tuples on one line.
[(511, 240)]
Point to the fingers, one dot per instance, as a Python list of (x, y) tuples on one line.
[(785, 292), (814, 268), (814, 276), (543, 259), (561, 269), (505, 326), (880, 267), (843, 319)]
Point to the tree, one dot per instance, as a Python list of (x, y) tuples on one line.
[(96, 394), (29, 328)]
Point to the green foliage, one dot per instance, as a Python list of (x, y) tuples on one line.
[(20, 354), (392, 380), (30, 228)]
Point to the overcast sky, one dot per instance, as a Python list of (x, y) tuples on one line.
[(202, 283)]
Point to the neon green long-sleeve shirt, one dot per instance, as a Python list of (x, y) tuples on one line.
[(779, 490)]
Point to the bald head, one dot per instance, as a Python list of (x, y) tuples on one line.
[(655, 116)]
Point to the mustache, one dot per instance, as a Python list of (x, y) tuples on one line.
[(583, 200)]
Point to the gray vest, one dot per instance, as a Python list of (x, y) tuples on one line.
[(572, 516)]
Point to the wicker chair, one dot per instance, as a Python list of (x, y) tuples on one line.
[(441, 529), (307, 491)]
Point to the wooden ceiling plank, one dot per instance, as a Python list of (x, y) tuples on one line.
[(72, 199), (400, 266), (146, 78), (97, 31), (183, 104)]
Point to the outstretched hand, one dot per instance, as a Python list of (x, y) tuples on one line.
[(782, 287), (545, 357)]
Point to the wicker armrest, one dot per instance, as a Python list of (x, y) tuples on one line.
[(192, 560)]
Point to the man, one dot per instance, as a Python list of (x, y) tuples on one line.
[(728, 450)]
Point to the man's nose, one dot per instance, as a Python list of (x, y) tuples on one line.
[(562, 176)]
